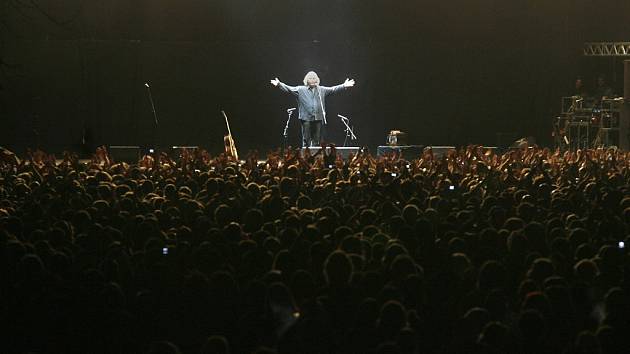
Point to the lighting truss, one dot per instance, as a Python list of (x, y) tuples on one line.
[(607, 49)]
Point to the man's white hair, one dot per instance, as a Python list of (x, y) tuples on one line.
[(311, 74)]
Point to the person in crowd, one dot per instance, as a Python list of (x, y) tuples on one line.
[(473, 251)]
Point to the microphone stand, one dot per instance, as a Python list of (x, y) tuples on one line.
[(285, 133), (152, 105), (321, 104), (349, 132), (155, 119), (322, 132)]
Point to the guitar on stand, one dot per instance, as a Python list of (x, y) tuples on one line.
[(228, 141)]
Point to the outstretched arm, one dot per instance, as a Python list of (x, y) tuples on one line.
[(286, 88), (340, 87)]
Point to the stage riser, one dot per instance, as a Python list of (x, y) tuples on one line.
[(412, 152), (176, 151), (132, 154), (128, 154), (408, 152), (344, 152), (440, 151)]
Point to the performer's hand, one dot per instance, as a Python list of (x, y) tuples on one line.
[(275, 82), (348, 83)]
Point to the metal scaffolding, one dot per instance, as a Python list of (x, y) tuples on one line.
[(607, 49)]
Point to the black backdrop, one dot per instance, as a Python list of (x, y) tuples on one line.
[(446, 72)]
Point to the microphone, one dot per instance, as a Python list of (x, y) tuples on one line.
[(290, 110), (146, 84)]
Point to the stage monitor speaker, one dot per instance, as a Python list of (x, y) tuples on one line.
[(122, 153), (408, 152), (176, 151), (506, 139), (343, 151), (439, 151)]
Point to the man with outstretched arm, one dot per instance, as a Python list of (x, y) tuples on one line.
[(311, 105)]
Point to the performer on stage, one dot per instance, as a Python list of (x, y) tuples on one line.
[(580, 89), (602, 90), (311, 105)]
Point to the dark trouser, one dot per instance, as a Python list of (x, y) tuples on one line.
[(311, 132)]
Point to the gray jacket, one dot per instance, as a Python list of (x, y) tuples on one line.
[(309, 106)]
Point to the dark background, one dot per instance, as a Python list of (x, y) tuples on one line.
[(454, 72)]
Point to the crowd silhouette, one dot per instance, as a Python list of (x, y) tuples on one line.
[(466, 252)]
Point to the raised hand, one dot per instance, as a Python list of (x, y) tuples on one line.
[(275, 82), (348, 83)]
